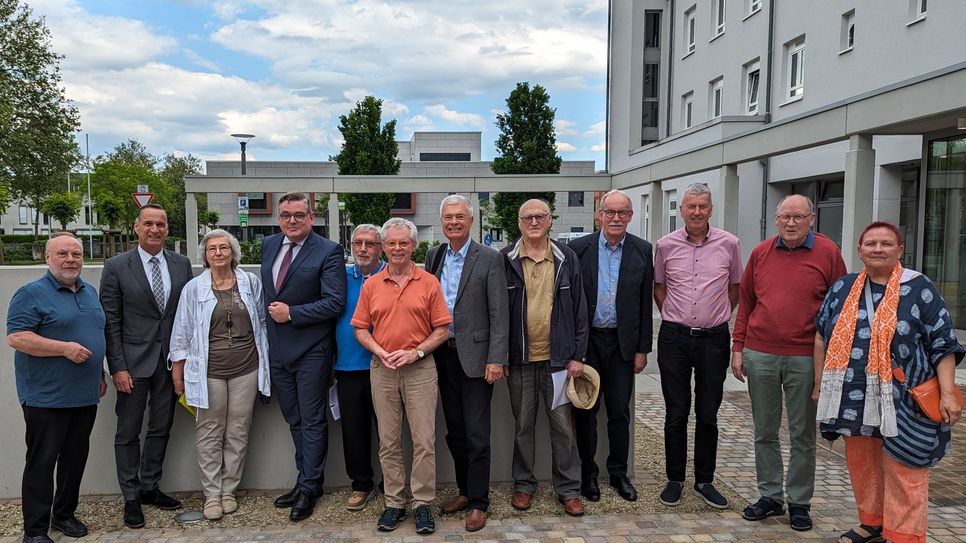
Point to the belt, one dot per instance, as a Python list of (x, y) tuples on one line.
[(696, 332), (451, 343)]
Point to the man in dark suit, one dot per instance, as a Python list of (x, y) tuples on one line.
[(139, 292), (475, 355), (303, 275), (618, 279)]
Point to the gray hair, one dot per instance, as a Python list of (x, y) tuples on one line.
[(615, 192), (698, 189), (399, 222), (363, 228), (811, 206), (456, 199), (236, 253)]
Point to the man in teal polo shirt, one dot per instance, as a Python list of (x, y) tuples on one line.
[(56, 326)]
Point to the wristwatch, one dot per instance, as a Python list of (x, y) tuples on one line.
[(420, 354)]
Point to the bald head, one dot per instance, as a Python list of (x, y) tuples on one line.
[(535, 219)]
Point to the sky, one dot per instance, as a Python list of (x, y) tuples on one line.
[(180, 76)]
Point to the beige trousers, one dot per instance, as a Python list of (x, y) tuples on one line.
[(221, 432), (411, 391)]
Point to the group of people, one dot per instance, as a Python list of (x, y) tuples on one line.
[(393, 339)]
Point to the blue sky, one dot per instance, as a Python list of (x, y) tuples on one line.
[(181, 75)]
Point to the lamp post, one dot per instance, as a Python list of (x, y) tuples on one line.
[(243, 140)]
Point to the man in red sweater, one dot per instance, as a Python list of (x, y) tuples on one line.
[(783, 285)]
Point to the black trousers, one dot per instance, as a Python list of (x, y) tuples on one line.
[(466, 408), (55, 437), (679, 351), (355, 407), (139, 465), (616, 389)]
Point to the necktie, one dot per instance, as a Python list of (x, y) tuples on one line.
[(157, 285), (283, 269)]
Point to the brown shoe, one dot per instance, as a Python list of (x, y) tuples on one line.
[(521, 500), (573, 507), (455, 505), (475, 520)]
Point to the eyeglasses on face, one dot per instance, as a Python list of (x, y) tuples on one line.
[(794, 219), (398, 244), (623, 213), (358, 244), (539, 217), (298, 217)]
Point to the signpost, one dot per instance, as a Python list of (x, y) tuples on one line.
[(142, 198), (243, 210)]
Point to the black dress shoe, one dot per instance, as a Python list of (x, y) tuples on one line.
[(133, 516), (590, 490), (70, 527), (159, 499), (37, 539), (624, 487), (303, 506), (286, 500)]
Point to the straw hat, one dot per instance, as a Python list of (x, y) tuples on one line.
[(583, 390)]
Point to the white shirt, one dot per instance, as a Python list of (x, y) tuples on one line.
[(281, 255), (165, 274)]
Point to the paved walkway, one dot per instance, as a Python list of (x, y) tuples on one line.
[(833, 508)]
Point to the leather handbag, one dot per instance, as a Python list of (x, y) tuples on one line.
[(927, 395)]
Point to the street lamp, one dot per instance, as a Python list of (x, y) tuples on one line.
[(243, 140)]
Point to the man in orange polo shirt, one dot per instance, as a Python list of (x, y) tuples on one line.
[(401, 317)]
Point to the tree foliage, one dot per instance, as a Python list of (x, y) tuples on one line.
[(172, 173), (37, 122), (527, 145), (110, 209), (62, 207), (369, 148)]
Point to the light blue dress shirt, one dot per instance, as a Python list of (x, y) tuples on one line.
[(608, 269), (450, 278)]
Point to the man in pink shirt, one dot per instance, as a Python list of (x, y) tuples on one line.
[(697, 270)]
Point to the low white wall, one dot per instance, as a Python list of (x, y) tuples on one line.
[(270, 461)]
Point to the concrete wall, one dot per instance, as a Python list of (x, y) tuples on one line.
[(271, 454)]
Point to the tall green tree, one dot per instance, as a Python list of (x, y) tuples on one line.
[(173, 171), (527, 145), (119, 172), (369, 148), (37, 122), (63, 207)]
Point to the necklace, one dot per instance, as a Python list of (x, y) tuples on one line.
[(227, 304)]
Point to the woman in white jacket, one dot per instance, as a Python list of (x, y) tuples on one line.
[(219, 360)]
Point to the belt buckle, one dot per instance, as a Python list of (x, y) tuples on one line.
[(696, 332), (451, 342)]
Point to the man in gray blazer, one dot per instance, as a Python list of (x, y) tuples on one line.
[(139, 292), (473, 279)]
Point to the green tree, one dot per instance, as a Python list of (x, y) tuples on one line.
[(62, 207), (118, 173), (368, 149), (527, 145), (209, 218), (5, 199), (110, 209), (37, 122), (173, 171)]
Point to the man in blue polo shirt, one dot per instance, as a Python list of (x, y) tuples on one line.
[(352, 372), (56, 326)]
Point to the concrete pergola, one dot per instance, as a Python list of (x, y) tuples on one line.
[(927, 103)]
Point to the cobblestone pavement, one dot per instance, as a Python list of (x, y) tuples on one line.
[(832, 508)]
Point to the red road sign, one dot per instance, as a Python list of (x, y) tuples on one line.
[(143, 198)]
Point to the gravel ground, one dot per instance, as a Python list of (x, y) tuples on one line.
[(103, 513)]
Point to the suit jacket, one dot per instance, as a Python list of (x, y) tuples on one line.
[(480, 313), (137, 333), (314, 289), (635, 285)]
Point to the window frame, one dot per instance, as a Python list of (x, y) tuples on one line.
[(752, 70), (687, 109), (719, 10), (717, 97), (795, 78), (690, 29)]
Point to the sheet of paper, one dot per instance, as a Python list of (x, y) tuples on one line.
[(334, 403), (559, 389)]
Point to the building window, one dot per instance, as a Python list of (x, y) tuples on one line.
[(575, 199), (943, 250), (672, 210), (652, 29), (444, 157), (717, 90), (752, 77), (921, 8), (576, 229), (687, 109), (718, 17), (24, 215), (847, 34), (754, 6), (405, 204), (259, 203), (795, 68), (650, 107), (917, 11), (690, 29), (645, 215)]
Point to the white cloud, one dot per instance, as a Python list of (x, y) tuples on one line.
[(200, 61), (564, 127), (596, 129), (598, 147), (565, 147), (455, 117), (417, 123)]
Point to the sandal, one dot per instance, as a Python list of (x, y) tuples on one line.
[(762, 509), (798, 518), (851, 536)]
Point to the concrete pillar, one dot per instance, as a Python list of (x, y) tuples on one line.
[(191, 227), (475, 232), (859, 186), (726, 203), (335, 229), (888, 194), (658, 214)]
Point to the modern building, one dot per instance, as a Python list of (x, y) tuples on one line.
[(437, 156), (860, 105)]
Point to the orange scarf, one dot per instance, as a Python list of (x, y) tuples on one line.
[(879, 410)]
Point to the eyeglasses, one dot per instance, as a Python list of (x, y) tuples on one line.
[(540, 217), (218, 248), (299, 217), (398, 244), (623, 213), (366, 244), (785, 219)]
